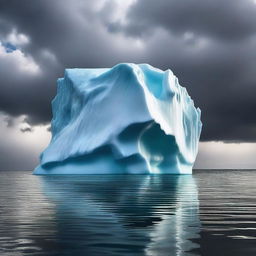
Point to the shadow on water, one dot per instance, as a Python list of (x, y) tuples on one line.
[(124, 214)]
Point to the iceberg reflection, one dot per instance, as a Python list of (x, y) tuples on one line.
[(124, 214)]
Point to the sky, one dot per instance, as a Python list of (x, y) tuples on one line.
[(209, 45)]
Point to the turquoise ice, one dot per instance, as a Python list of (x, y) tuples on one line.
[(132, 118)]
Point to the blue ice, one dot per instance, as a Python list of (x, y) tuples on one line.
[(132, 118)]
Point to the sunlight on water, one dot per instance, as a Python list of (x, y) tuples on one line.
[(209, 213)]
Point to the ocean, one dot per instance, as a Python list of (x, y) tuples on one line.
[(212, 212)]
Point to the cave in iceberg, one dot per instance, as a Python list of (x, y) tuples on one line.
[(132, 118)]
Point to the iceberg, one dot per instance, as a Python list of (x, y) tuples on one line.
[(132, 118)]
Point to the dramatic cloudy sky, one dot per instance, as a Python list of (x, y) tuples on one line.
[(210, 45)]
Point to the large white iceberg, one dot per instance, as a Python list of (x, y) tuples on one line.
[(126, 119)]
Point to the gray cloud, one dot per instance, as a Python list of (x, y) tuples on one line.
[(210, 46), (225, 20), (26, 129), (9, 121)]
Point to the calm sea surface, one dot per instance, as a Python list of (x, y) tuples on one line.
[(209, 213)]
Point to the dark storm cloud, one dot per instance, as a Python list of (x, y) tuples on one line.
[(210, 46), (222, 19)]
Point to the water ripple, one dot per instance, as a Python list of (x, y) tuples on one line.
[(209, 213)]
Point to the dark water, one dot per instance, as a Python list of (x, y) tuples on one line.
[(209, 213)]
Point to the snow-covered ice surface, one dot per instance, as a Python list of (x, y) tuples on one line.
[(126, 119)]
